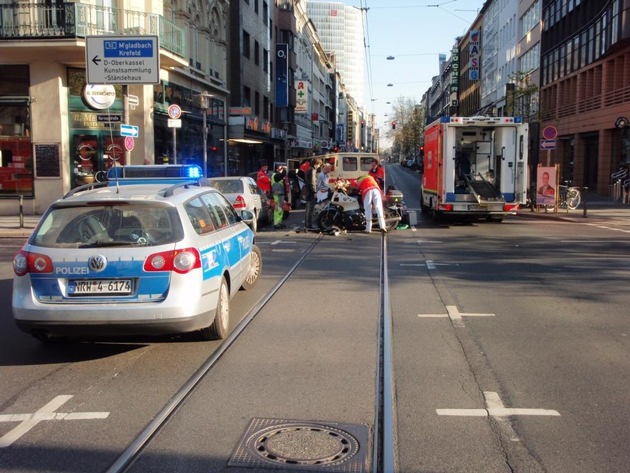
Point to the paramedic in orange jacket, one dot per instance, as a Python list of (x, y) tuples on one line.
[(263, 180), (378, 173), (371, 195)]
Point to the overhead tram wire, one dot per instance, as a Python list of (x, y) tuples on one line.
[(366, 45)]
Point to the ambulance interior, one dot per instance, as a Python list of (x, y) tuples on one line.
[(477, 164)]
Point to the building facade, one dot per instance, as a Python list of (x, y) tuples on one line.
[(57, 131), (340, 30), (585, 88)]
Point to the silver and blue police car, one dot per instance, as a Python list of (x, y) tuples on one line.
[(134, 259)]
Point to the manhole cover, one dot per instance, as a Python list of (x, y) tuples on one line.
[(303, 445)]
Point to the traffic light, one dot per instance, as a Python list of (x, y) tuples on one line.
[(394, 125), (362, 123)]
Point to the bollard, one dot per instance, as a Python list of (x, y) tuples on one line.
[(584, 191), (21, 211)]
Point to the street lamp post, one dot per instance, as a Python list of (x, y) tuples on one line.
[(204, 105)]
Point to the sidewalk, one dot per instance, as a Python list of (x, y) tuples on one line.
[(10, 225), (597, 208)]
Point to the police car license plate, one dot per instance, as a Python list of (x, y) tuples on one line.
[(99, 286)]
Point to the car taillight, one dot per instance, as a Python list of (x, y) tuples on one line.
[(445, 207), (239, 203), (25, 262), (510, 207), (180, 261)]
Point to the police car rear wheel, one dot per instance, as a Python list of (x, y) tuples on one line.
[(220, 326), (255, 268)]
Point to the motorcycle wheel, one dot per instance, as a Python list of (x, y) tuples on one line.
[(327, 219), (392, 220)]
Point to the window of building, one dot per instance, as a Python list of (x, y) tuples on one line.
[(265, 60), (256, 7), (265, 13), (246, 45), (266, 108), (257, 103), (256, 53), (247, 96)]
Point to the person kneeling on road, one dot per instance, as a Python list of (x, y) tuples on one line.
[(371, 195)]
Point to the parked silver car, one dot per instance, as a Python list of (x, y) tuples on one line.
[(134, 259), (244, 193)]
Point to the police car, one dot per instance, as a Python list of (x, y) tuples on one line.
[(158, 257)]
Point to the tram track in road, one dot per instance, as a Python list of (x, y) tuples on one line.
[(126, 459), (378, 452)]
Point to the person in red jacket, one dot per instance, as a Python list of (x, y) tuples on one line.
[(378, 173), (372, 197), (263, 180)]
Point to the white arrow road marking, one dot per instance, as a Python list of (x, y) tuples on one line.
[(278, 242), (28, 421), (455, 315), (495, 408)]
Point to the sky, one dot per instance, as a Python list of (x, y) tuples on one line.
[(415, 32)]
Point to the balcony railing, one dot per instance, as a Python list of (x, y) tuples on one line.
[(77, 20)]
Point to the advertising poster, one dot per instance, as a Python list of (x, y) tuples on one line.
[(282, 75), (546, 185)]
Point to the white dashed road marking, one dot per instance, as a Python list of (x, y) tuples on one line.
[(495, 408), (28, 421), (455, 315), (430, 264)]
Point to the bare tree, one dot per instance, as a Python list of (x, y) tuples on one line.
[(407, 136)]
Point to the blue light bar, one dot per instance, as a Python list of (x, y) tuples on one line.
[(157, 171)]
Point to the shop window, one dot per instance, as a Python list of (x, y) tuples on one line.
[(16, 154)]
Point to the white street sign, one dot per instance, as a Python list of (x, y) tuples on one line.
[(174, 123), (122, 59)]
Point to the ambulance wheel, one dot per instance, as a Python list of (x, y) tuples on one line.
[(423, 207)]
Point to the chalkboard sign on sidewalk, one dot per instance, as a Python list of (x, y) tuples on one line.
[(47, 160)]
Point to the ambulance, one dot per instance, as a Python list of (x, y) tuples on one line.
[(475, 167)]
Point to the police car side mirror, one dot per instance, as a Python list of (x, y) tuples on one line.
[(246, 216)]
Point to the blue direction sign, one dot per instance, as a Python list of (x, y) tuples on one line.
[(128, 130), (547, 144), (122, 59)]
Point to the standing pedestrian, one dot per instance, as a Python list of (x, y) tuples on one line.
[(278, 188), (323, 185), (263, 180), (371, 195), (310, 196), (377, 172)]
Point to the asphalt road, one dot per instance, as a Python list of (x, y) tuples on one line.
[(511, 353)]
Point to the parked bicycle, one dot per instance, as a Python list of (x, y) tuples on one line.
[(569, 197)]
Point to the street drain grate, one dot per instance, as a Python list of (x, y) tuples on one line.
[(303, 445)]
